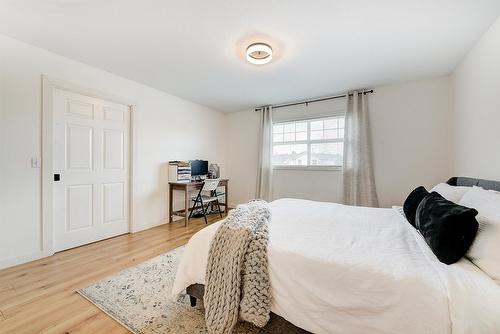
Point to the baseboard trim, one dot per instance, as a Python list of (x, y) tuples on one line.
[(147, 227), (15, 261)]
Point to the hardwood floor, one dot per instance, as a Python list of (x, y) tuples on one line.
[(40, 297)]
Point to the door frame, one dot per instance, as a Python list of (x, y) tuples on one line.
[(47, 172)]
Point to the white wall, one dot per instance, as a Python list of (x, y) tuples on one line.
[(168, 128), (411, 139), (476, 101)]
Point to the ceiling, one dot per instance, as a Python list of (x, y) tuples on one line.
[(195, 49)]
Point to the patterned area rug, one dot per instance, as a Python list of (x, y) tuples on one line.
[(140, 299)]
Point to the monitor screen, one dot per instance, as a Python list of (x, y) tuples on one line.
[(199, 167)]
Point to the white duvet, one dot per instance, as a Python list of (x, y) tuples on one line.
[(343, 269)]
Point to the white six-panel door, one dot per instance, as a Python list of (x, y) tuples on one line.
[(91, 153)]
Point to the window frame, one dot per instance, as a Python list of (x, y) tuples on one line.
[(308, 143)]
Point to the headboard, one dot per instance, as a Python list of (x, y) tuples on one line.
[(469, 182)]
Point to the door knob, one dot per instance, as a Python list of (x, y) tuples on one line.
[(57, 177)]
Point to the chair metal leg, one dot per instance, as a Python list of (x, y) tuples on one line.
[(194, 206), (218, 206), (204, 211)]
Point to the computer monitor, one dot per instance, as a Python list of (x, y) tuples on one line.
[(199, 167)]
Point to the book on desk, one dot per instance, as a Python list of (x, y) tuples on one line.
[(179, 171)]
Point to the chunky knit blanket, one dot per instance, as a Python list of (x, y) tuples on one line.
[(237, 277)]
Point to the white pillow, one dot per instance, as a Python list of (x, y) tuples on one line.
[(485, 250), (451, 193)]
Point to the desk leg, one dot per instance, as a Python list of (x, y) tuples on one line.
[(186, 207), (170, 203)]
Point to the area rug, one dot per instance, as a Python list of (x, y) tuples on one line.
[(140, 299)]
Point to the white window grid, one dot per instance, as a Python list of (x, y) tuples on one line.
[(310, 141)]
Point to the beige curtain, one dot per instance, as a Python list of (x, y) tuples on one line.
[(359, 181), (265, 170)]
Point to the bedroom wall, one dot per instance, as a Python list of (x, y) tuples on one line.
[(411, 139), (476, 104), (167, 127)]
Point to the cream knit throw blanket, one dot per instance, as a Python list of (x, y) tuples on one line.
[(237, 277)]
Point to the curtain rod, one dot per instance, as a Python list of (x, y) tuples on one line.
[(313, 101)]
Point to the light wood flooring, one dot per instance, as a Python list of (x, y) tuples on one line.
[(40, 297)]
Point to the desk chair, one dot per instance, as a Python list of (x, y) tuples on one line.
[(206, 197)]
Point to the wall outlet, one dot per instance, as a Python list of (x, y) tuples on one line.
[(35, 162)]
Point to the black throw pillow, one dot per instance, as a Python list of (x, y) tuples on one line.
[(411, 203), (448, 228)]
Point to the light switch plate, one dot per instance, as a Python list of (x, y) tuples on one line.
[(35, 162)]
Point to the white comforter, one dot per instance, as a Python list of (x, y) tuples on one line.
[(343, 269)]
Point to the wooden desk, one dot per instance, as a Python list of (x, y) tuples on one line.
[(188, 187)]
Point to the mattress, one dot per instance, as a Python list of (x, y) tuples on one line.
[(335, 269)]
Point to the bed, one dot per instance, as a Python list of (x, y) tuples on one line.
[(343, 269)]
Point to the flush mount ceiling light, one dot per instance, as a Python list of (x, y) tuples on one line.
[(259, 53)]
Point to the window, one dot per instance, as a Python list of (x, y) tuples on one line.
[(314, 142)]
